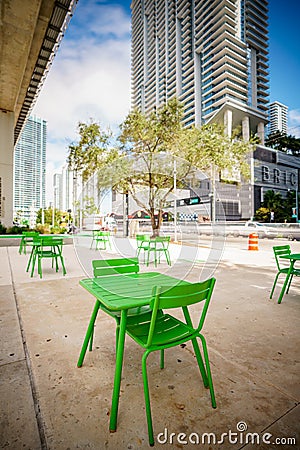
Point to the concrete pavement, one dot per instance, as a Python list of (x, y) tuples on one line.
[(48, 403)]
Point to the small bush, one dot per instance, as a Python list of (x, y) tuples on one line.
[(16, 230), (2, 229), (43, 229)]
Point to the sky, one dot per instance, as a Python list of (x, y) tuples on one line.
[(90, 74)]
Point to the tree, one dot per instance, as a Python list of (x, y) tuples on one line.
[(151, 143), (282, 208), (142, 162), (88, 155), (91, 151), (283, 142)]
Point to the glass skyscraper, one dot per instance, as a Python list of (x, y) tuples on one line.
[(30, 170), (211, 54)]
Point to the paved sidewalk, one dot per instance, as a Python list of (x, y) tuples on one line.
[(48, 403)]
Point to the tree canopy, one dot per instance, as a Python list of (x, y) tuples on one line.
[(282, 207), (142, 161), (283, 142)]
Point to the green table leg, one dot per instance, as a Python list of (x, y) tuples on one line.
[(89, 334), (118, 373)]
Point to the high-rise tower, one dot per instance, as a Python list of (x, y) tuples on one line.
[(30, 169), (278, 114), (211, 54)]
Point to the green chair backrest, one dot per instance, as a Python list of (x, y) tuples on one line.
[(142, 237), (103, 233), (104, 267), (180, 297), (30, 233), (50, 241), (165, 240), (281, 250)]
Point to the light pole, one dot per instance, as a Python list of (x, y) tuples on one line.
[(212, 195), (297, 215), (175, 200)]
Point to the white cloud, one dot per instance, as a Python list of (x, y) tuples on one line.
[(90, 78), (294, 123)]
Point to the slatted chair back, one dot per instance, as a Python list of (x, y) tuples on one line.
[(103, 267), (281, 250)]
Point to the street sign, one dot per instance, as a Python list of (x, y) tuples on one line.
[(188, 201)]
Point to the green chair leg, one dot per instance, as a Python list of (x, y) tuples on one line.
[(200, 362), (208, 371), (147, 398), (274, 284), (162, 359)]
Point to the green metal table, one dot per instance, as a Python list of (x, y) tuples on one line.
[(293, 257), (121, 293)]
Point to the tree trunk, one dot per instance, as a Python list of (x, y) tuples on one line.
[(155, 223)]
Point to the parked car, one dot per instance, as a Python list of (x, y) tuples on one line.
[(261, 229), (293, 233)]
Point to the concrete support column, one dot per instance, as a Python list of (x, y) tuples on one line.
[(261, 132), (228, 122), (6, 167), (246, 128)]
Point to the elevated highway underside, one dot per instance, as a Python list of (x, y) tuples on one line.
[(30, 34)]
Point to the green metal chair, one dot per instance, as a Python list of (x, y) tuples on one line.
[(102, 238), (27, 239), (143, 244), (102, 268), (94, 234), (283, 265), (164, 331), (159, 246), (46, 247)]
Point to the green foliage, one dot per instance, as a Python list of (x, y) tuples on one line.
[(143, 158), (263, 214), (43, 229), (2, 229), (91, 152), (15, 229), (89, 206), (283, 142), (59, 217), (282, 208)]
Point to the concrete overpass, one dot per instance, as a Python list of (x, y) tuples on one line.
[(30, 34)]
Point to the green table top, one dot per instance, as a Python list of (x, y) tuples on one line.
[(19, 236), (292, 256), (118, 292)]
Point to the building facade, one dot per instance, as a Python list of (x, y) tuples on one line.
[(212, 55), (278, 118), (30, 170)]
